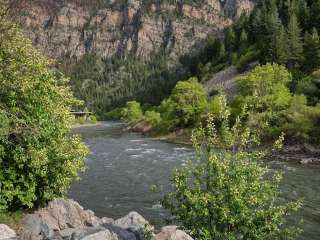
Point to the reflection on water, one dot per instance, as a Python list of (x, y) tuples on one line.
[(122, 167)]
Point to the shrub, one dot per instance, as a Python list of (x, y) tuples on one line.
[(92, 119), (39, 158), (186, 104), (300, 120), (115, 114), (310, 87), (227, 193), (132, 112), (264, 91), (152, 117), (81, 120)]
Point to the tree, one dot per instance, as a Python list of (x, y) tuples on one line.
[(186, 103), (243, 43), (265, 88), (281, 51), (227, 192), (311, 50), (132, 112), (264, 91), (294, 44), (314, 14), (230, 40), (39, 157)]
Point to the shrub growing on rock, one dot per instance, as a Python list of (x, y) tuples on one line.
[(227, 193), (39, 158)]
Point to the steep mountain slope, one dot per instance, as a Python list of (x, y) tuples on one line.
[(115, 51), (73, 28)]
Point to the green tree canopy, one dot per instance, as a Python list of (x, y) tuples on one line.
[(39, 157), (187, 102)]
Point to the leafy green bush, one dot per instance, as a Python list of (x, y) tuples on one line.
[(152, 117), (81, 120), (310, 87), (39, 158), (115, 114), (227, 193), (92, 119), (132, 112), (264, 91), (186, 104), (300, 121)]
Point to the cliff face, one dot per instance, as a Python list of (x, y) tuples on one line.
[(70, 28)]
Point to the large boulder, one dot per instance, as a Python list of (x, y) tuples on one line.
[(35, 228), (7, 233), (135, 223), (172, 233), (61, 214)]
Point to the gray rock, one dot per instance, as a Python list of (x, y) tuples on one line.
[(7, 233), (61, 214), (35, 228), (82, 233), (306, 161), (135, 223), (102, 235), (121, 233), (172, 233)]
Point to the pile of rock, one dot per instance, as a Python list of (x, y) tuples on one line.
[(67, 220)]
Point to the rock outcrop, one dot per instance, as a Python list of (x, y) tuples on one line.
[(67, 220), (69, 29), (6, 233)]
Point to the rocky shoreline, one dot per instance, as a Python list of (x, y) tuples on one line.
[(65, 219)]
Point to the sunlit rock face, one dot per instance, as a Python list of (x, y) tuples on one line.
[(72, 28)]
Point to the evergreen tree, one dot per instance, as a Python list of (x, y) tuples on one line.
[(281, 51), (243, 43), (315, 14), (230, 40), (311, 50), (295, 44)]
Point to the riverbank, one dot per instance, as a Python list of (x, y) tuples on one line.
[(291, 152), (78, 125), (67, 219)]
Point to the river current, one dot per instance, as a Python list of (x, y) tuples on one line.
[(123, 166)]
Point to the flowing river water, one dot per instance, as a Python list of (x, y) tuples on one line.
[(123, 166)]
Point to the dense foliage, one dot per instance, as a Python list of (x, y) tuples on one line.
[(264, 91), (227, 193), (39, 158), (182, 109)]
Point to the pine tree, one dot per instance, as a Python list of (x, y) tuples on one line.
[(281, 51), (243, 43), (295, 44), (315, 14), (269, 41), (230, 40), (311, 50)]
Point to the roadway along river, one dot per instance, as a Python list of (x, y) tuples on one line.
[(122, 167)]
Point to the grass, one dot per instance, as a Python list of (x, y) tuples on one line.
[(12, 219)]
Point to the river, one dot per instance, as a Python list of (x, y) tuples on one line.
[(123, 166)]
